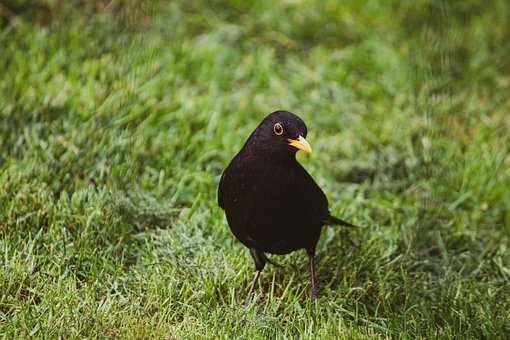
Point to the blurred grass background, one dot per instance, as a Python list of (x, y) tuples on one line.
[(117, 118)]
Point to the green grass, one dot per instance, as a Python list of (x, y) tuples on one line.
[(117, 119)]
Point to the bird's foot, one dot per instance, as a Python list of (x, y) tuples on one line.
[(314, 293), (247, 302)]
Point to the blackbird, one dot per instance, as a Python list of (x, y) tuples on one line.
[(271, 203)]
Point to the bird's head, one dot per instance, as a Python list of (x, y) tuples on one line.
[(280, 133)]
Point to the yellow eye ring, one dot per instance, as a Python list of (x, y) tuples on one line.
[(278, 129)]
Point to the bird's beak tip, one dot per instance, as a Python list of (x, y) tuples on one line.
[(300, 144)]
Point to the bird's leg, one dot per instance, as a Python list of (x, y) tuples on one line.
[(252, 286), (260, 260), (311, 256)]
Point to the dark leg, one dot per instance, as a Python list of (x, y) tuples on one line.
[(260, 260), (311, 256), (252, 286)]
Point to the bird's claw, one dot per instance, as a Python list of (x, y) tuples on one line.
[(247, 303)]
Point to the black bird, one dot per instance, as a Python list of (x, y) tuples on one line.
[(272, 204)]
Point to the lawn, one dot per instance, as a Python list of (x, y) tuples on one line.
[(118, 117)]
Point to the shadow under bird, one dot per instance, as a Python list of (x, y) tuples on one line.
[(271, 203)]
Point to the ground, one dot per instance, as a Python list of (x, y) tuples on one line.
[(117, 118)]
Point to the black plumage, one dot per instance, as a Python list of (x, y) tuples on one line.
[(271, 203)]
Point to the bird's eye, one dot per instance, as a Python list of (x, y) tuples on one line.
[(278, 129)]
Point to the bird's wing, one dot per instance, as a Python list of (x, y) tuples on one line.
[(319, 201), (312, 194)]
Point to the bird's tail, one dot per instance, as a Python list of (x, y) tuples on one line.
[(332, 220)]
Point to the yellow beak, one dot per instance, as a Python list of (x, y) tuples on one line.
[(300, 144)]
